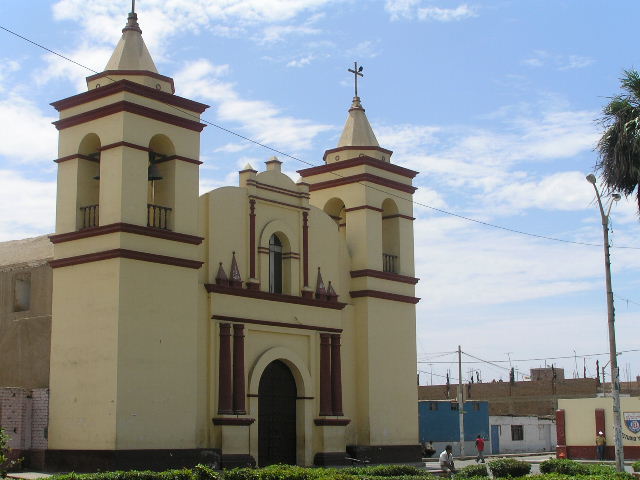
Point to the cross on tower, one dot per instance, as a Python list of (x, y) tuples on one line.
[(133, 6), (356, 72)]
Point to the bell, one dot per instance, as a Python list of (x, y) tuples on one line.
[(154, 172)]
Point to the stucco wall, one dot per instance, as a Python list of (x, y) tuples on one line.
[(539, 434)]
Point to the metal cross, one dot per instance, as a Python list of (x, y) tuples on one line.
[(356, 72)]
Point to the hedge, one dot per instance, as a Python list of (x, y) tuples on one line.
[(471, 471), (636, 466), (509, 467)]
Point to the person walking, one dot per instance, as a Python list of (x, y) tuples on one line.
[(601, 441), (446, 461), (480, 449)]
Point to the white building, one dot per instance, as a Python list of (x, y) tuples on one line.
[(520, 434)]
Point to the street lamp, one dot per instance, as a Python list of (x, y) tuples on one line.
[(615, 379)]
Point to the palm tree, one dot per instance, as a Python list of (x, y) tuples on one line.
[(619, 146)]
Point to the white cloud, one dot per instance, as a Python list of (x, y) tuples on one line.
[(7, 68), (260, 119), (277, 33), (410, 9), (301, 62), (542, 58), (364, 49), (91, 56), (27, 207), (26, 134)]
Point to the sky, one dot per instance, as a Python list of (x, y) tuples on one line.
[(495, 103)]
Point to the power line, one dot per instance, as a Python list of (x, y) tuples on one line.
[(626, 300), (280, 152), (536, 359)]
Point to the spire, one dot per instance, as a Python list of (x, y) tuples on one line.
[(357, 131), (131, 52)]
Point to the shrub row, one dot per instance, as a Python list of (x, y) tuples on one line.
[(509, 467)]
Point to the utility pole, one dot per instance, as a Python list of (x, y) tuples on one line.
[(615, 371), (460, 402)]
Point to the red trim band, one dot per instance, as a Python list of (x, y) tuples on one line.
[(126, 228), (131, 87), (130, 107), (384, 295), (269, 323), (279, 203), (76, 155), (398, 215), (147, 149), (363, 177), (394, 277), (356, 162), (363, 207), (336, 422), (125, 253), (273, 297), (284, 191)]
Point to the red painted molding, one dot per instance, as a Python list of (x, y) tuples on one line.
[(356, 162), (589, 451), (398, 215), (560, 428), (271, 188), (130, 107), (363, 177), (76, 155), (239, 421), (325, 374), (394, 277), (130, 87), (269, 323), (273, 297), (346, 148), (291, 255), (263, 250), (126, 228), (181, 158), (125, 144), (125, 253), (384, 295), (147, 149), (279, 203), (225, 391), (336, 422), (363, 207)]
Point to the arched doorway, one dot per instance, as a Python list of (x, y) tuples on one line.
[(277, 415)]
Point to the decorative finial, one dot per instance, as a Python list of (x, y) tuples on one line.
[(132, 20), (356, 72)]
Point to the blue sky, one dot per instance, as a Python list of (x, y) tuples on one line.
[(493, 101)]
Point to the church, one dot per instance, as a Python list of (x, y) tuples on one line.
[(269, 322)]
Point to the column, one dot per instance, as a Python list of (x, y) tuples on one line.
[(305, 248), (252, 283), (238, 370), (325, 374), (224, 370), (336, 376)]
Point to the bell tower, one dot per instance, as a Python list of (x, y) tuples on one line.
[(370, 200), (127, 345)]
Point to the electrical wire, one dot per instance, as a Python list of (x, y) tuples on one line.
[(280, 152), (537, 359)]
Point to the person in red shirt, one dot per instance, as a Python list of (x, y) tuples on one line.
[(480, 448)]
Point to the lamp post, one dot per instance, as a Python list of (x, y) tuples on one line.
[(615, 379)]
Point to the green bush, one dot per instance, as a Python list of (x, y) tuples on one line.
[(385, 471), (6, 464), (563, 466), (509, 467), (242, 473), (470, 471), (636, 466), (204, 472)]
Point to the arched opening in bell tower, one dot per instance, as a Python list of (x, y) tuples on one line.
[(88, 198), (390, 237), (336, 210), (161, 183)]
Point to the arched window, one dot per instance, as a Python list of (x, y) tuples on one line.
[(275, 264), (88, 195), (161, 188), (390, 237)]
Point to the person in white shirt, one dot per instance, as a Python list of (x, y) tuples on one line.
[(446, 461)]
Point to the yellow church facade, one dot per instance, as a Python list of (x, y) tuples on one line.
[(268, 322)]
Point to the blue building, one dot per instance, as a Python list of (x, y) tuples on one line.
[(439, 422)]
